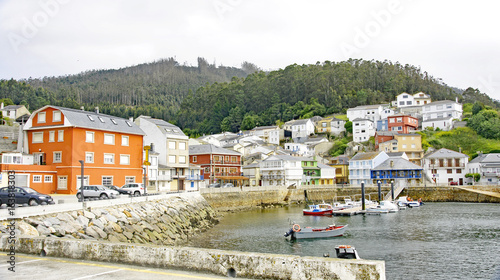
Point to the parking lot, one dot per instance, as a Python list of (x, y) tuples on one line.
[(29, 267)]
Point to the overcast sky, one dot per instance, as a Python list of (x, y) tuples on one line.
[(457, 41)]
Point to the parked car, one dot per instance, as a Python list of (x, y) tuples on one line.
[(228, 185), (118, 189), (24, 195), (135, 189), (453, 183), (96, 191), (214, 185)]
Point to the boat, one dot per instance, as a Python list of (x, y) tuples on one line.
[(296, 232), (406, 201), (389, 205), (346, 252), (319, 209), (377, 210)]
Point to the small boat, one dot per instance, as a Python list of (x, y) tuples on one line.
[(377, 210), (408, 202), (319, 210), (389, 205), (296, 232), (346, 252)]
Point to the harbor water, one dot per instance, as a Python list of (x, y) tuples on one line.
[(435, 241)]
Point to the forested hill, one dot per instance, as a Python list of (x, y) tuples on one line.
[(155, 88), (303, 91), (209, 99)]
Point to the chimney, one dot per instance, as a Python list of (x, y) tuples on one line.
[(82, 108), (1, 106), (131, 119), (459, 149), (392, 163), (97, 110)]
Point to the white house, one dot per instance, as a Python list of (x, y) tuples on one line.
[(171, 144), (301, 128), (361, 164), (281, 170), (488, 166), (444, 123), (328, 173), (407, 100), (362, 130), (370, 112), (270, 134), (421, 98), (445, 166), (441, 109)]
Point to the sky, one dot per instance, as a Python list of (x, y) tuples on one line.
[(456, 41)]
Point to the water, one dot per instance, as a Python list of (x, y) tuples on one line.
[(435, 241)]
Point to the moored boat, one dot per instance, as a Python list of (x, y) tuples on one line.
[(296, 232), (319, 209)]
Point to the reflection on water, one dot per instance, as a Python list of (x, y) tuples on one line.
[(436, 241)]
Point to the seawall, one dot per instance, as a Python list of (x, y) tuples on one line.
[(239, 264)]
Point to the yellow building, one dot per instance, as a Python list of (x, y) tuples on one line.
[(411, 144), (341, 164)]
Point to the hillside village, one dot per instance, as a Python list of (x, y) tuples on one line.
[(48, 148)]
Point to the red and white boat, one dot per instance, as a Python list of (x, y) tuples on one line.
[(330, 231), (319, 209)]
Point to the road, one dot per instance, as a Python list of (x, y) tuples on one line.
[(29, 267)]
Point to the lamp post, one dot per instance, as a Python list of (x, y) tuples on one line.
[(363, 207), (392, 190), (379, 191), (81, 184)]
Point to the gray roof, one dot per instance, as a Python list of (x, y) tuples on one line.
[(360, 119), (396, 154), (253, 165), (299, 122), (11, 107), (93, 120), (365, 156), (440, 102), (284, 157), (376, 106), (445, 153), (487, 158), (166, 127), (324, 166), (398, 164), (210, 149)]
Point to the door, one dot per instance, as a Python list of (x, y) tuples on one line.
[(180, 184), (79, 181)]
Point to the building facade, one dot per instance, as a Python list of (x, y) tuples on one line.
[(445, 166)]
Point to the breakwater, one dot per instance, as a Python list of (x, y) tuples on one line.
[(167, 221), (231, 263)]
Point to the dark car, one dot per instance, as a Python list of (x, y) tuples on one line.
[(118, 189), (24, 195)]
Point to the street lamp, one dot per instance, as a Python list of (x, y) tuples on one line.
[(392, 190), (379, 191), (81, 185)]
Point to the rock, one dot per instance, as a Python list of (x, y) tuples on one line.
[(83, 236), (91, 232), (128, 234), (127, 213), (54, 221), (83, 221), (43, 230), (66, 217), (88, 215), (111, 218), (97, 223), (112, 238), (120, 237), (27, 229), (101, 233), (147, 225), (97, 212)]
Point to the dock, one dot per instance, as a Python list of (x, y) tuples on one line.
[(348, 211)]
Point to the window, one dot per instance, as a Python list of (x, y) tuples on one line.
[(129, 179), (109, 158), (89, 137), (113, 121), (405, 96), (182, 159), (171, 159), (413, 146), (171, 145), (62, 182), (47, 178), (449, 171), (109, 139), (60, 135), (128, 123), (56, 116), (404, 146), (392, 120), (52, 136), (107, 180), (125, 159), (182, 145), (124, 140), (101, 119), (89, 157), (37, 178), (41, 117), (408, 102), (195, 158), (459, 171), (234, 159), (37, 137), (57, 157), (401, 103), (90, 118)]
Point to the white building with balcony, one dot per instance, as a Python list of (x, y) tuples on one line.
[(445, 166), (281, 170), (440, 114), (488, 166), (361, 164), (370, 112)]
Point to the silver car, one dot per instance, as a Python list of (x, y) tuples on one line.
[(96, 191)]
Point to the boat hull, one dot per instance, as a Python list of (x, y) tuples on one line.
[(319, 233), (318, 213)]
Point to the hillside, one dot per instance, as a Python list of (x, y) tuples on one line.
[(208, 99)]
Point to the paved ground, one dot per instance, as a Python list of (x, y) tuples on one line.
[(29, 267)]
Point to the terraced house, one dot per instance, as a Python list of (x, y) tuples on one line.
[(59, 139)]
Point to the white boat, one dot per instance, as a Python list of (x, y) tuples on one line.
[(389, 205), (296, 232), (377, 210), (405, 201)]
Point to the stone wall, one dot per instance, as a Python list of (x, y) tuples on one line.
[(231, 263), (166, 221)]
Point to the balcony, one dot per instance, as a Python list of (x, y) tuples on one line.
[(272, 177), (195, 177), (224, 162)]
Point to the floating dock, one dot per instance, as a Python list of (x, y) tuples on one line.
[(348, 211)]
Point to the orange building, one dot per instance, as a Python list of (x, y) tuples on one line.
[(59, 138)]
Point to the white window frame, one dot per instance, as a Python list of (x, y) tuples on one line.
[(171, 159), (52, 136), (112, 158), (107, 176), (125, 140), (109, 139), (129, 179), (182, 159), (60, 136), (62, 182), (89, 157), (89, 136), (42, 117), (56, 116), (37, 178), (195, 158), (124, 159), (55, 154), (35, 136), (182, 145), (171, 145), (47, 178)]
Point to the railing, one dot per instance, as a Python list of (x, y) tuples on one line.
[(195, 177), (228, 162), (268, 177)]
